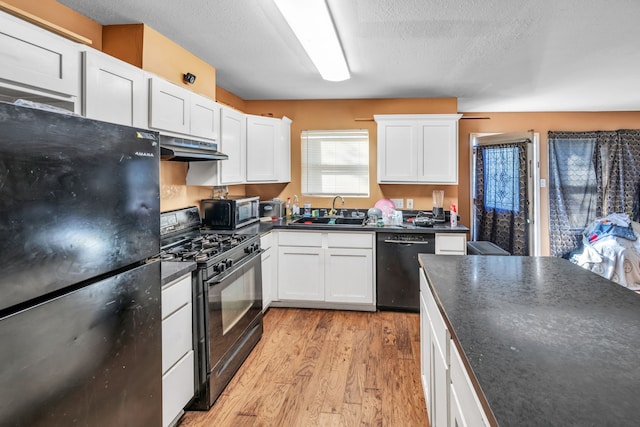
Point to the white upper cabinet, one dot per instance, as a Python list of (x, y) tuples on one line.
[(233, 143), (397, 151), (114, 91), (38, 62), (418, 148), (170, 106), (284, 151), (268, 149), (263, 135), (176, 110), (205, 117)]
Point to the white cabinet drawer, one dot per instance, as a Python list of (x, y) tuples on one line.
[(300, 238), (176, 336), (350, 240), (451, 244), (266, 241), (177, 389), (175, 295)]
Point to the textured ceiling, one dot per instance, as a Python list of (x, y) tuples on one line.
[(493, 55)]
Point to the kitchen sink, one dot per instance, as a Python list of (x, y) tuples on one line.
[(328, 220)]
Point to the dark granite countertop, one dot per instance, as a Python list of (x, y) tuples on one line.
[(549, 343), (405, 228), (171, 270)]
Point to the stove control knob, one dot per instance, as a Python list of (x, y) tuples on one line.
[(228, 263), (219, 268), (249, 249)]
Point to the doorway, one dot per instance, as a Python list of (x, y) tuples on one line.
[(504, 191)]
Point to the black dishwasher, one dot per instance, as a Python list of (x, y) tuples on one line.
[(397, 279)]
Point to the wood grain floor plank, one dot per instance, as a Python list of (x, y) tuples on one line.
[(322, 367), (372, 378), (357, 369), (372, 408)]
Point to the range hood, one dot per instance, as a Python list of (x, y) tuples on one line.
[(188, 150)]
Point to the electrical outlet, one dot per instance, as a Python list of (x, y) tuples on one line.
[(398, 202), (409, 203)]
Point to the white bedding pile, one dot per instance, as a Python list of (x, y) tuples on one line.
[(614, 258)]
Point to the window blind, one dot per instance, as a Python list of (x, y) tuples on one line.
[(335, 162)]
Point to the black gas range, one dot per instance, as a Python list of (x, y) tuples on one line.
[(227, 298), (184, 239)]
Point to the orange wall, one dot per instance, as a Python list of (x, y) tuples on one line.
[(541, 123), (176, 194), (227, 98), (349, 114), (144, 47), (56, 13)]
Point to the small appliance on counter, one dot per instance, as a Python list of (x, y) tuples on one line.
[(438, 206), (230, 213), (272, 208), (423, 219)]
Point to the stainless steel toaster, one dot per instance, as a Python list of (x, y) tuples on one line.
[(272, 208)]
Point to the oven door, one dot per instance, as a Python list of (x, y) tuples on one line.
[(234, 319)]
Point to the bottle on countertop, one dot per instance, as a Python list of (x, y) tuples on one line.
[(288, 208), (295, 209), (453, 215)]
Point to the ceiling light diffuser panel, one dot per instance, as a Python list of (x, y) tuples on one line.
[(311, 22)]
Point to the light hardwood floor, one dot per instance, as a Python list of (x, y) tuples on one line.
[(326, 368)]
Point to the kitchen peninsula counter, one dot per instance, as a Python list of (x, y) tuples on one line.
[(546, 342)]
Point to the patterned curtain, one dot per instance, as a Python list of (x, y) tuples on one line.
[(501, 206), (591, 174), (622, 189), (573, 187)]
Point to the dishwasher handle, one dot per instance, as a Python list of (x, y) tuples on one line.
[(408, 242)]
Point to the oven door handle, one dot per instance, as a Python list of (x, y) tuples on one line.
[(221, 277)]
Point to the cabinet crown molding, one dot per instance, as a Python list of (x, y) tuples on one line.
[(379, 117)]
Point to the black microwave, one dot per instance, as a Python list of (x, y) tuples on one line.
[(230, 213)]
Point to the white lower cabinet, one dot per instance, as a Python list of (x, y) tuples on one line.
[(300, 273), (425, 351), (332, 269), (177, 389), (440, 387), (177, 349), (268, 264), (449, 393), (466, 409), (354, 264)]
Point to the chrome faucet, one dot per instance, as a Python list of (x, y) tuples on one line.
[(333, 205)]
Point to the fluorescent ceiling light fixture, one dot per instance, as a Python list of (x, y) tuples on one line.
[(312, 24)]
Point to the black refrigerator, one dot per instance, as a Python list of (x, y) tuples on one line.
[(80, 316)]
